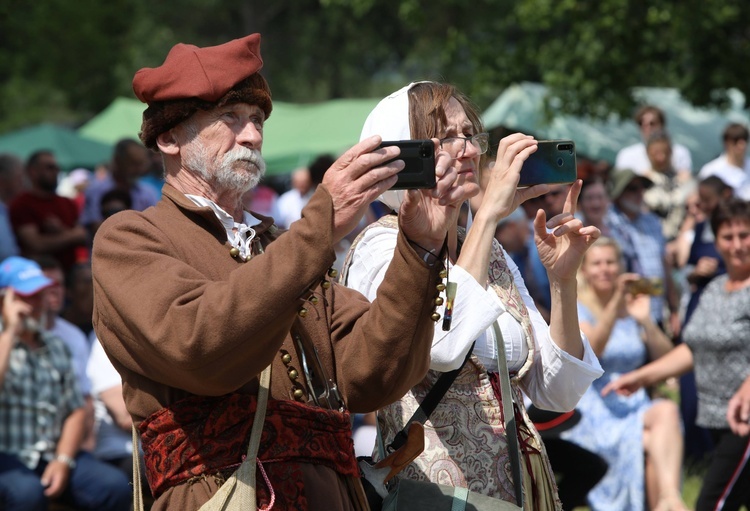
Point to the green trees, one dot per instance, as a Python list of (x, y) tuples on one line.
[(62, 60)]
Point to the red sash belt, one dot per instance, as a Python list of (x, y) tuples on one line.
[(206, 435)]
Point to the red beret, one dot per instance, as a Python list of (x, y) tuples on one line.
[(193, 78), (204, 73)]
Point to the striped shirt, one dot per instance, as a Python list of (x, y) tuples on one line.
[(38, 393)]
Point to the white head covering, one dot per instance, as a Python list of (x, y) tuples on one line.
[(390, 120)]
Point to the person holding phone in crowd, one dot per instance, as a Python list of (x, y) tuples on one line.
[(716, 345), (553, 364), (194, 298), (639, 438)]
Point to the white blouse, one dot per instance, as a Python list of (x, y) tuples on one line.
[(556, 380)]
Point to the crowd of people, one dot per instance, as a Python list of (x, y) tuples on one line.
[(134, 307)]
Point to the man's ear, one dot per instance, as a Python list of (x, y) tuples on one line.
[(167, 143)]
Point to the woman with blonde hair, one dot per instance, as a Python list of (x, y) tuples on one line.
[(640, 439)]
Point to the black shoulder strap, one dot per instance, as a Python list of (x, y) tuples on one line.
[(429, 403)]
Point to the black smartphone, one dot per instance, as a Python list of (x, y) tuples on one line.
[(419, 157), (554, 162)]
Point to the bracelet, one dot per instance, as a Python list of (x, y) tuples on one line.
[(64, 458)]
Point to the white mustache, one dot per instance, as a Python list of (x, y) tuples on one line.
[(245, 154)]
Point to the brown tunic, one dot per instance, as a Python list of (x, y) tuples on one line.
[(179, 316)]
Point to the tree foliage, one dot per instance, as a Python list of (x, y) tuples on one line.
[(65, 61)]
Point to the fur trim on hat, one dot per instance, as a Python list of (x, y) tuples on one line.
[(162, 116)]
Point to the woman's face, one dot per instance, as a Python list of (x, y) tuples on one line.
[(733, 244), (467, 164), (660, 154), (594, 202), (600, 268)]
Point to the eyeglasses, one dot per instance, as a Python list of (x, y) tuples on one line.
[(480, 141)]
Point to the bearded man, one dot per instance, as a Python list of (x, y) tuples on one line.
[(44, 222), (194, 297)]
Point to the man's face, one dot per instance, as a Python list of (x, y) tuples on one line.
[(34, 321), (43, 173), (133, 165), (223, 145), (631, 199), (736, 148), (55, 295)]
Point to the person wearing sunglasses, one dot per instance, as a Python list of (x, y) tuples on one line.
[(465, 438)]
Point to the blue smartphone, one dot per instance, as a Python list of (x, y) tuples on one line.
[(554, 162)]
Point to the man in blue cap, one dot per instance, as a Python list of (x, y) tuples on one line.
[(41, 409)]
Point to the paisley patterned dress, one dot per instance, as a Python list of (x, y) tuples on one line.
[(465, 441)]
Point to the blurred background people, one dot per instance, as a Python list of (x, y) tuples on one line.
[(667, 196), (113, 423), (130, 162), (73, 186), (12, 182), (639, 438), (593, 203), (650, 119), (46, 223), (42, 419), (290, 203), (733, 165), (716, 345), (638, 232)]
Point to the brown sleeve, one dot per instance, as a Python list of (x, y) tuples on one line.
[(184, 323), (386, 351)]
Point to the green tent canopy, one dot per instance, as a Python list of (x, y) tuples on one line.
[(521, 107), (293, 136), (71, 149)]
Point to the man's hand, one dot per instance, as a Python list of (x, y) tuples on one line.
[(356, 179), (738, 410), (55, 479), (426, 215), (13, 312)]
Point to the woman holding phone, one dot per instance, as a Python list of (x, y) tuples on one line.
[(640, 439), (465, 439)]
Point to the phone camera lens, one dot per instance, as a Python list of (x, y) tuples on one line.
[(560, 162)]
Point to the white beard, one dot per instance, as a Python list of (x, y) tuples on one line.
[(222, 175)]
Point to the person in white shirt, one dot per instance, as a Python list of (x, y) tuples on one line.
[(114, 437), (466, 444), (733, 165), (651, 119), (288, 207)]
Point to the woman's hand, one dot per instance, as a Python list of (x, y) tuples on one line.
[(426, 215), (501, 196), (561, 251), (625, 385), (738, 410), (638, 305)]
